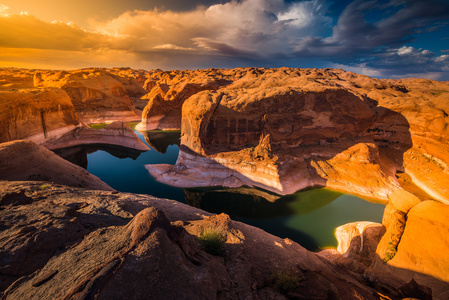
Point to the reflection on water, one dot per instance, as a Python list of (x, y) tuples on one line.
[(78, 155), (307, 217), (160, 140)]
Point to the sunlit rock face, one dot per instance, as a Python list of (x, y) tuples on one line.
[(413, 246), (116, 133), (281, 132), (167, 92), (287, 129), (97, 95), (36, 113), (45, 106), (69, 243)]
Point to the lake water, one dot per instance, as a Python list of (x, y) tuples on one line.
[(307, 217)]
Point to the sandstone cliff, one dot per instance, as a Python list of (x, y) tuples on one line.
[(36, 114), (116, 133), (97, 95), (287, 129), (12, 78), (50, 107), (169, 90)]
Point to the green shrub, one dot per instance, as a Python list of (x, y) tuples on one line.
[(284, 280), (389, 253), (44, 186), (98, 125), (212, 240)]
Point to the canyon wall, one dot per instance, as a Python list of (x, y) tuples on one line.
[(36, 114), (167, 92), (97, 95), (408, 246), (287, 129), (279, 129), (53, 107)]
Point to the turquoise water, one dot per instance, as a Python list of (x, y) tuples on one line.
[(307, 217)]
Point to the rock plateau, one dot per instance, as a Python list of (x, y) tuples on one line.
[(287, 129)]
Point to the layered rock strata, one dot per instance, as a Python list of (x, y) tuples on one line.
[(281, 138), (167, 92), (97, 95), (36, 114), (286, 129), (109, 245), (45, 106), (116, 133)]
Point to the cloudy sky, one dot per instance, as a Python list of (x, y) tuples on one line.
[(380, 38)]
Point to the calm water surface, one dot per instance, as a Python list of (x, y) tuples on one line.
[(307, 217)]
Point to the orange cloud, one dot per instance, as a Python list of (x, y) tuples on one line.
[(26, 31)]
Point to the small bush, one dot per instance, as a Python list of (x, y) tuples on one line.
[(212, 240), (44, 186), (389, 253), (284, 280), (98, 125)]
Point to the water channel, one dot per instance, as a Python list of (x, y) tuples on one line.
[(307, 217)]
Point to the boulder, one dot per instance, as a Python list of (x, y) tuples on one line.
[(359, 240)]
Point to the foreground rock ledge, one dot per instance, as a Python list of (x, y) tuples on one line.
[(69, 243)]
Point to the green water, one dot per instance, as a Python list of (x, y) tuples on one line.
[(307, 217)]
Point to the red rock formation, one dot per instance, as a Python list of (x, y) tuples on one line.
[(409, 247), (97, 95), (282, 133), (169, 90), (47, 116), (12, 78), (116, 133), (36, 114), (133, 82), (256, 131)]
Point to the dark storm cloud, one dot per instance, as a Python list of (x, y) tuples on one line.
[(379, 44), (354, 35), (372, 37)]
